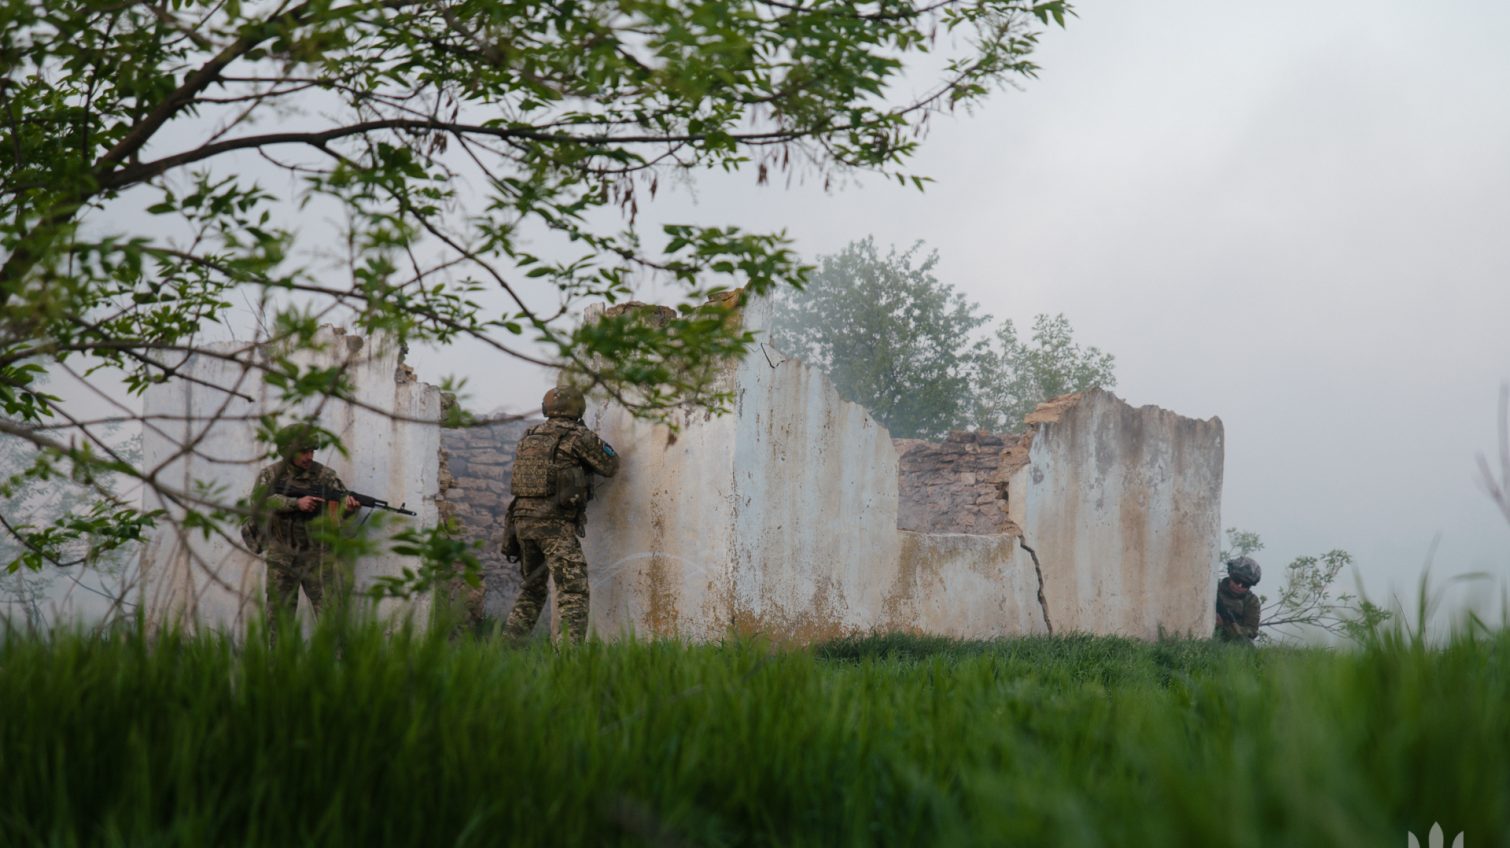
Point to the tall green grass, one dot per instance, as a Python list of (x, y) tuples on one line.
[(361, 738)]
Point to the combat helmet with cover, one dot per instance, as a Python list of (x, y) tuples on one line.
[(294, 438), (1245, 570), (564, 402)]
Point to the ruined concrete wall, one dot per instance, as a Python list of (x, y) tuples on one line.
[(1123, 506), (781, 517), (953, 486), (815, 545), (660, 538), (392, 435), (965, 586)]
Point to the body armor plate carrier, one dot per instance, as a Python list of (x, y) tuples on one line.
[(540, 471)]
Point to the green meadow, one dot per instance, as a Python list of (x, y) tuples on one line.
[(354, 737)]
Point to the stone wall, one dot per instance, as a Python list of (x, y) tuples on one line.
[(1123, 506), (480, 461), (953, 486)]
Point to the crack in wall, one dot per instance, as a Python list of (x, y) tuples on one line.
[(1043, 603)]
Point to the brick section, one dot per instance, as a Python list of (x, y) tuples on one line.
[(954, 486), (479, 463)]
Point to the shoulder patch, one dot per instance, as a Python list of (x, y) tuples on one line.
[(608, 449)]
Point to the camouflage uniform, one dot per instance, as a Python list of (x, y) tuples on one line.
[(1236, 615), (546, 535), (293, 558)]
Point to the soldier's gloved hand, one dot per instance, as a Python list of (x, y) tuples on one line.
[(309, 503)]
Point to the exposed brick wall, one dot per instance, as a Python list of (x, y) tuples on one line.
[(954, 486), (481, 463)]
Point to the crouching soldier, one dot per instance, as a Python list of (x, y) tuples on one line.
[(551, 486), (1236, 605)]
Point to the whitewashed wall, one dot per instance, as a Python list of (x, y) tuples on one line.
[(781, 518), (1123, 507), (214, 581)]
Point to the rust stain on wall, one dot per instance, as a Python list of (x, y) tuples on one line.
[(899, 606), (819, 620), (660, 582)]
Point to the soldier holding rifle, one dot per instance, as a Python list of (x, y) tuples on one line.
[(295, 559)]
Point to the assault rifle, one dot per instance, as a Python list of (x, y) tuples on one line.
[(332, 495)]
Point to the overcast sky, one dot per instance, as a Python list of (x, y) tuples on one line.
[(1290, 215)]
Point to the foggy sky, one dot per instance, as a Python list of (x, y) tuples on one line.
[(1289, 215)]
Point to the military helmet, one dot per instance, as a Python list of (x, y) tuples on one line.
[(563, 402), (1244, 569), (293, 438)]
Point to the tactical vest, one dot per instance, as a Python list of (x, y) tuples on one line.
[(290, 529), (541, 472)]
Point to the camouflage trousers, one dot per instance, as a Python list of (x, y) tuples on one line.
[(290, 569), (550, 549)]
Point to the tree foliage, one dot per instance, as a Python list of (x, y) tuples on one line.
[(903, 343), (164, 162), (1021, 374), (889, 333)]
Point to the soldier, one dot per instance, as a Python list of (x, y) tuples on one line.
[(1236, 606), (293, 558), (551, 487)]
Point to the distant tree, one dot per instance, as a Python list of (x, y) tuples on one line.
[(1306, 600), (1019, 375), (432, 170), (903, 344), (891, 336)]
